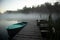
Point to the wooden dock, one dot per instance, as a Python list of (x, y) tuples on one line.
[(30, 32)]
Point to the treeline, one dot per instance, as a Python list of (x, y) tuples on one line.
[(44, 8)]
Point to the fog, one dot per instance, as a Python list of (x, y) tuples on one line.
[(11, 18), (21, 16)]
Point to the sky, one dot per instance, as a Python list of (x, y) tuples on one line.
[(19, 4)]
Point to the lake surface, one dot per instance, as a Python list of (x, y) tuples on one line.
[(9, 19), (21, 16)]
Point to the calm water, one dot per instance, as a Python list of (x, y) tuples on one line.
[(9, 19), (31, 16), (3, 25)]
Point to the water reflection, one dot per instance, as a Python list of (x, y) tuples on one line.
[(9, 19), (3, 25), (31, 16)]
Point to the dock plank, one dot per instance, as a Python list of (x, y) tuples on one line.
[(30, 32)]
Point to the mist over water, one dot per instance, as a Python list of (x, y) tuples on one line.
[(21, 16), (9, 19)]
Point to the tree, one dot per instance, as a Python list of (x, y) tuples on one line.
[(57, 7), (49, 7)]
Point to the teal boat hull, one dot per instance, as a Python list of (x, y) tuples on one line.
[(13, 31)]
